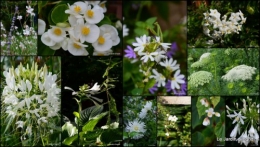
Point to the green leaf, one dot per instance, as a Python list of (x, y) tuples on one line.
[(110, 135), (215, 100), (201, 108), (105, 20), (220, 129), (151, 20), (137, 91), (195, 116), (197, 139), (90, 112), (140, 24), (90, 125), (140, 31), (90, 135), (58, 13), (70, 140)]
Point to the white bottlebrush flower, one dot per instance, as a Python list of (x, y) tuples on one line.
[(93, 15), (41, 26), (241, 72), (158, 77), (200, 78), (77, 48), (233, 134), (238, 117), (177, 80), (210, 112), (206, 121), (170, 64), (136, 126)]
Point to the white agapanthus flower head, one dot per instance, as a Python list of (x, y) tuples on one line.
[(30, 94), (241, 72), (200, 78)]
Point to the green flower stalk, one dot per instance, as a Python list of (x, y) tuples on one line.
[(31, 102)]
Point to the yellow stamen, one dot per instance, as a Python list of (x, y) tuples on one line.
[(57, 31), (90, 13), (101, 40), (136, 128), (77, 9), (76, 46), (85, 30)]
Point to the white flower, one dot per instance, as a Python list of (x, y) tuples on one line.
[(206, 121), (41, 26), (45, 38), (77, 48), (105, 53), (172, 118), (76, 9), (233, 134), (204, 102), (158, 77), (143, 113), (95, 88), (238, 117), (214, 13), (177, 79), (20, 124), (147, 55), (160, 55), (170, 64), (167, 134), (241, 72), (148, 105), (103, 6), (200, 78), (103, 43), (140, 44), (57, 34), (29, 9), (29, 130), (165, 46), (244, 139), (19, 17), (112, 31), (125, 30), (136, 126), (86, 32), (210, 112), (217, 114), (94, 15), (203, 56)]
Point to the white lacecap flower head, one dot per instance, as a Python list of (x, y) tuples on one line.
[(241, 72), (200, 78)]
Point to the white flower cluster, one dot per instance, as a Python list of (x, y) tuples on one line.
[(241, 72), (202, 61), (249, 114), (31, 96), (215, 27), (210, 112), (172, 118), (82, 28), (154, 50), (200, 78)]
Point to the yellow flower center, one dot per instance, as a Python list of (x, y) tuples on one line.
[(85, 30), (77, 9), (90, 13), (136, 128), (76, 46), (101, 40), (173, 79), (57, 31)]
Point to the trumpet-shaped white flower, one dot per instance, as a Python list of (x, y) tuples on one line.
[(233, 134), (244, 138), (96, 87)]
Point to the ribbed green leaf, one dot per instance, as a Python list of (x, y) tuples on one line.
[(90, 112), (90, 125)]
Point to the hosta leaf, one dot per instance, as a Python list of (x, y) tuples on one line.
[(70, 140), (90, 112), (111, 135), (90, 125)]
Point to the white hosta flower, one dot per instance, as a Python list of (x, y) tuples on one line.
[(41, 26), (244, 138), (136, 126), (206, 121), (238, 117), (93, 15)]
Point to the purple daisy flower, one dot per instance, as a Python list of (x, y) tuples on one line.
[(130, 53), (172, 50), (154, 88)]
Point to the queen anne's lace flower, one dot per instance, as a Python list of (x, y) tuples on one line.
[(241, 72), (199, 78)]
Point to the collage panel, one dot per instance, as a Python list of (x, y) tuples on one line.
[(19, 23), (221, 24), (223, 71), (154, 48), (139, 120), (174, 121), (242, 126), (30, 101), (208, 121), (80, 28), (91, 101)]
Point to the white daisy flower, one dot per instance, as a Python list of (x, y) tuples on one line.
[(158, 77), (177, 79), (136, 126), (170, 64)]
